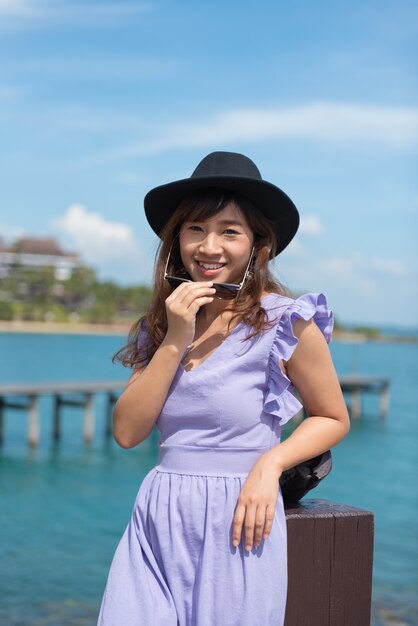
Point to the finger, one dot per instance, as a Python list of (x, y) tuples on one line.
[(191, 305), (195, 306), (181, 304), (260, 520), (179, 292), (183, 295), (269, 521), (188, 296), (249, 527), (237, 524)]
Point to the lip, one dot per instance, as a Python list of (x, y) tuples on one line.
[(209, 261), (205, 272)]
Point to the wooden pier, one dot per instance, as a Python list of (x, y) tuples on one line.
[(25, 397), (357, 384)]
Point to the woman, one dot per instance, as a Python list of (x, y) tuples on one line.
[(215, 360)]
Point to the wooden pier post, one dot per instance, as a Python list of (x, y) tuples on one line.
[(1, 420), (384, 401), (111, 399), (56, 429), (355, 408), (33, 421), (89, 418), (330, 563), (357, 384)]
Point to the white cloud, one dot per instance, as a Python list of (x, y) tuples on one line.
[(356, 264), (9, 233), (361, 275), (311, 225), (22, 8), (82, 13), (96, 239), (341, 123), (393, 267)]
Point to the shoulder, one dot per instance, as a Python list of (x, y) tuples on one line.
[(306, 310), (275, 304)]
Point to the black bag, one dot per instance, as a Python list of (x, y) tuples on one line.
[(296, 481)]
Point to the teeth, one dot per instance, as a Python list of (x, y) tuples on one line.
[(211, 266)]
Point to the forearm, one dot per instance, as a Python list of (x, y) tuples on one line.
[(139, 406), (312, 437)]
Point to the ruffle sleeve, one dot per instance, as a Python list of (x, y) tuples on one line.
[(280, 399)]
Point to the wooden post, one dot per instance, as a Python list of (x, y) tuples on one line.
[(1, 420), (355, 403), (56, 432), (384, 401), (89, 418), (33, 421), (111, 399), (330, 562)]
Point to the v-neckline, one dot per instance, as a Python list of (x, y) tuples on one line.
[(183, 369), (195, 369)]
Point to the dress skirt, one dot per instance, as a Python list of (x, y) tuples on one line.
[(175, 564)]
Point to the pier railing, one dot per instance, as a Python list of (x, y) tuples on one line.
[(80, 394), (357, 384)]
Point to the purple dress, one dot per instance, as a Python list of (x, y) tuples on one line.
[(175, 564)]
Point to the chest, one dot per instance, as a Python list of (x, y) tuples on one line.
[(223, 397), (203, 347)]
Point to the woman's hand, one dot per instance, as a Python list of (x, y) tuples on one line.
[(182, 307), (256, 504)]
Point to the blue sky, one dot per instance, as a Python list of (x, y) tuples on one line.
[(101, 101)]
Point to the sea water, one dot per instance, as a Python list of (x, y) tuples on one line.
[(64, 506)]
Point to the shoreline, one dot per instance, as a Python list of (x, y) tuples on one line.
[(123, 328), (65, 328)]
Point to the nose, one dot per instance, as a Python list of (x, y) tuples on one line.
[(210, 245)]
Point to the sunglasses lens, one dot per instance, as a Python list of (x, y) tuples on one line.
[(175, 281), (226, 292), (223, 290)]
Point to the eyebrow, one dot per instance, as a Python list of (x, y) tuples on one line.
[(222, 222), (231, 223)]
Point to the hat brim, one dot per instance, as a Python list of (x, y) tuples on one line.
[(161, 202)]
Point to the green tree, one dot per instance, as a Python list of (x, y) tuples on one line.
[(6, 310)]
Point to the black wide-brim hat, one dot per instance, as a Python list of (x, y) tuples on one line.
[(236, 173)]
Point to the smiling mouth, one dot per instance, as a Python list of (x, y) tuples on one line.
[(210, 266)]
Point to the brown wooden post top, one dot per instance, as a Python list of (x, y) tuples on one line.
[(317, 507), (330, 563)]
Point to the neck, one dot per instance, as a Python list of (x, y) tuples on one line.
[(209, 312)]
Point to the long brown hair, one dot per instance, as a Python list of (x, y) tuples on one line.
[(200, 206)]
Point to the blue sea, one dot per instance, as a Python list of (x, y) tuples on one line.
[(64, 507)]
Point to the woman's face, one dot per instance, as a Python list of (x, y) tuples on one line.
[(217, 249)]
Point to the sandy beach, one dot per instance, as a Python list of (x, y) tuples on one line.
[(118, 328), (19, 326)]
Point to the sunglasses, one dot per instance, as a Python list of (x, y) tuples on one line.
[(224, 291)]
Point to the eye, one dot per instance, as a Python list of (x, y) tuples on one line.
[(231, 232), (194, 228)]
